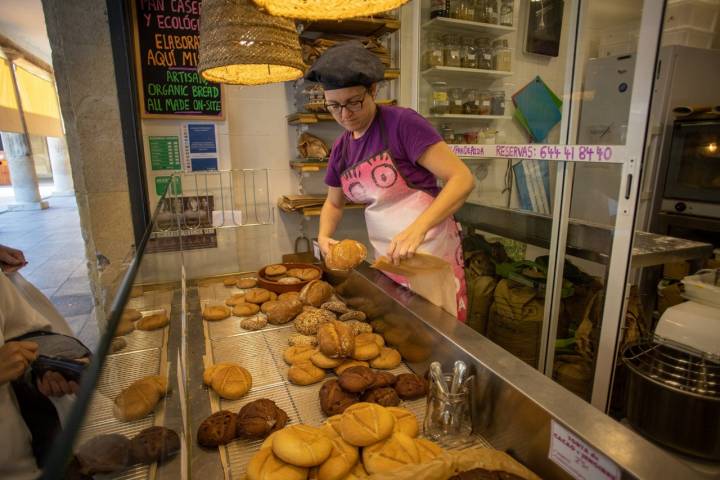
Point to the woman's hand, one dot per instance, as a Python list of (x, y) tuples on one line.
[(15, 357), (325, 244), (405, 244), (11, 259)]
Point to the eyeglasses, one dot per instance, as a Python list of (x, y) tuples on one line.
[(351, 106)]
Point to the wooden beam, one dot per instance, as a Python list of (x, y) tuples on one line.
[(14, 51)]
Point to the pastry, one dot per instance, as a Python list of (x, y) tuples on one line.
[(384, 379), (228, 380), (140, 398), (353, 315), (301, 445), (366, 348), (289, 296), (212, 313), (345, 255), (427, 449), (275, 270), (117, 344), (247, 282), (124, 326), (333, 399), (289, 281), (154, 444), (364, 424), (218, 429), (300, 339), (153, 322), (260, 418), (341, 461), (257, 295), (358, 327), (385, 396), (256, 322), (281, 312), (335, 307), (265, 465), (236, 299), (409, 386), (316, 293), (347, 364), (298, 353), (361, 337), (308, 321), (230, 281), (356, 379), (397, 452), (245, 309), (405, 421), (335, 339), (323, 361), (131, 315), (103, 454), (305, 373), (389, 358)]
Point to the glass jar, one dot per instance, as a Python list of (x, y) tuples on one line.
[(468, 53), (485, 101), (468, 10), (471, 102), (502, 56), (455, 8), (440, 103), (451, 50), (491, 11), (506, 12), (484, 53), (455, 95), (447, 133), (448, 416), (471, 137), (497, 103), (481, 11), (439, 8), (434, 51)]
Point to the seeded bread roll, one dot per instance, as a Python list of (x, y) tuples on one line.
[(353, 315), (300, 339), (256, 322), (309, 321), (335, 307)]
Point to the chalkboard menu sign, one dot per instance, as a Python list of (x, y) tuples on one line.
[(167, 34)]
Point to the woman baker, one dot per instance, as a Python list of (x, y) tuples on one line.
[(389, 158)]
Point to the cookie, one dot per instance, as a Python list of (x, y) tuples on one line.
[(213, 313), (245, 309), (220, 428), (154, 444), (256, 322)]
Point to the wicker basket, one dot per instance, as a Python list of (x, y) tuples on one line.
[(327, 9)]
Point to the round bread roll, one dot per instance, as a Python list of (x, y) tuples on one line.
[(333, 425), (356, 379), (405, 421), (365, 424), (345, 255), (384, 379), (323, 361), (385, 396), (397, 452), (289, 296), (389, 358), (218, 429), (230, 281), (256, 322), (247, 282), (281, 312), (396, 336), (288, 281), (357, 473), (153, 322), (298, 353), (302, 445), (300, 339), (357, 327), (264, 465), (316, 293), (335, 339), (154, 444), (139, 398), (335, 307), (260, 418), (228, 380), (237, 299), (245, 309), (353, 315), (310, 274), (309, 321), (295, 272), (427, 449), (410, 386), (257, 295), (275, 270), (131, 315), (347, 364), (341, 461), (305, 373), (333, 399), (363, 337), (365, 349), (213, 313)]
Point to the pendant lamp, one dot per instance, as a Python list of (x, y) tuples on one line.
[(239, 44), (328, 9)]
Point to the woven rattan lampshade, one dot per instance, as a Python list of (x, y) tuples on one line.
[(327, 9), (239, 44)]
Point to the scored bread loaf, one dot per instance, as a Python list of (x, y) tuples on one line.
[(140, 398)]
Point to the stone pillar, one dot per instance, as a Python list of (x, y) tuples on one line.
[(60, 162), (22, 173)]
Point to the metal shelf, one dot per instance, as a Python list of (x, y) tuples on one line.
[(459, 73), (455, 25), (366, 27)]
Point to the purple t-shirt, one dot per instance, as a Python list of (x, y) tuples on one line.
[(408, 134)]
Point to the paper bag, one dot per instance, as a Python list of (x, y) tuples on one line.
[(429, 276)]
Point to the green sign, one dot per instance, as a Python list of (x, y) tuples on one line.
[(165, 153), (162, 182)]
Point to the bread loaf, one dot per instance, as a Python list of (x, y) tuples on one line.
[(140, 398)]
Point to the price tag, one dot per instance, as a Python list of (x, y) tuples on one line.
[(577, 458)]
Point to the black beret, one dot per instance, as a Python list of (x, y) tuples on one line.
[(347, 64)]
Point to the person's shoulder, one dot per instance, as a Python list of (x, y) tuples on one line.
[(397, 112)]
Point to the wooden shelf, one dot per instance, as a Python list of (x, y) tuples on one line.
[(458, 73), (466, 26), (315, 211), (308, 118), (451, 116), (303, 167), (366, 27)]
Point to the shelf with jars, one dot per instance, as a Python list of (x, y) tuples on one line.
[(459, 73), (455, 25)]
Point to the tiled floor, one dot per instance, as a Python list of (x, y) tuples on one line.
[(54, 248)]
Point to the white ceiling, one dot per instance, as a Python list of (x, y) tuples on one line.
[(23, 22)]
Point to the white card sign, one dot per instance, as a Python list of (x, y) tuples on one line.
[(577, 458)]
